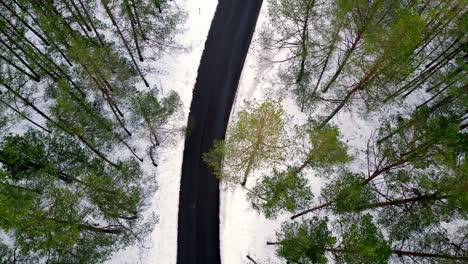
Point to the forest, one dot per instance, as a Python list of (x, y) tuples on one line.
[(75, 98), (403, 196)]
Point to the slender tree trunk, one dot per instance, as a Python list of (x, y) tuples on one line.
[(35, 58), (119, 120), (439, 93), (428, 255), (250, 163), (152, 131), (20, 188), (310, 210), (24, 116), (47, 14), (25, 23), (151, 154), (114, 22), (113, 231), (253, 155), (386, 169), (349, 95), (35, 78), (25, 101), (251, 259), (427, 73), (115, 110), (340, 106), (82, 19), (90, 227), (96, 151), (137, 18), (61, 126), (463, 126), (370, 178), (304, 41), (78, 18), (306, 162), (412, 200), (344, 61), (91, 23), (327, 58), (132, 24), (20, 59), (157, 3)]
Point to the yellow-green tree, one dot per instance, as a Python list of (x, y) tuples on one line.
[(256, 139)]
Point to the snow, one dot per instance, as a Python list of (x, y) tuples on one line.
[(178, 72), (243, 231)]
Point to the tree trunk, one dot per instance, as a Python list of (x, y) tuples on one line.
[(20, 59), (250, 163), (428, 72), (344, 61), (77, 10), (91, 23), (35, 78), (370, 178), (348, 96), (427, 255), (78, 18), (340, 106), (132, 24), (157, 3), (416, 199), (25, 101), (153, 160), (90, 227), (114, 22), (304, 40), (327, 59), (24, 116), (39, 62), (252, 155), (21, 188), (439, 93), (251, 259), (137, 18), (25, 23), (47, 15), (64, 128), (311, 210)]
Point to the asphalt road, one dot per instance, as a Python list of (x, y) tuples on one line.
[(218, 77)]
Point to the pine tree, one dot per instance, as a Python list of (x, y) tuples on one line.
[(281, 191), (360, 241), (153, 115), (257, 138), (92, 208)]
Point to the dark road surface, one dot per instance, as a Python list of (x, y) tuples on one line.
[(218, 76)]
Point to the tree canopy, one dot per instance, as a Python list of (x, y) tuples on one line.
[(73, 94)]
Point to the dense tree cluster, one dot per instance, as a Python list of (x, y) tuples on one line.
[(410, 204), (73, 91)]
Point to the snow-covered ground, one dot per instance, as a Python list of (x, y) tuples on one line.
[(178, 72), (243, 230)]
